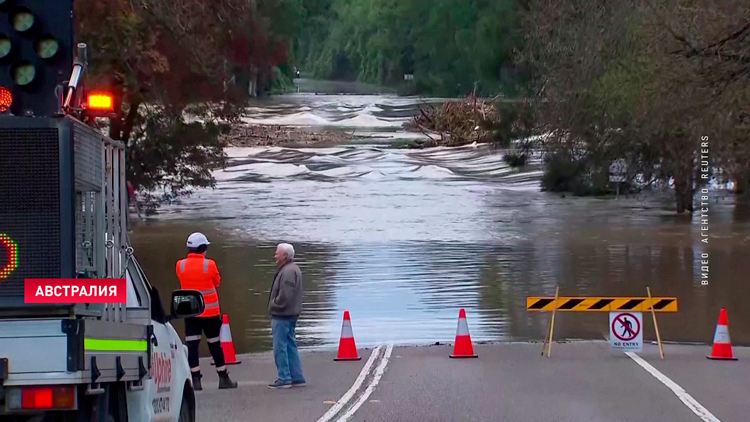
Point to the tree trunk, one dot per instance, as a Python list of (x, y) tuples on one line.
[(127, 127), (741, 184), (683, 189)]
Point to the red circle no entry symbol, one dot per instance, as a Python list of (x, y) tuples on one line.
[(626, 326)]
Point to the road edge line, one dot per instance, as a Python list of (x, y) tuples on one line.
[(340, 403), (680, 392), (375, 380)]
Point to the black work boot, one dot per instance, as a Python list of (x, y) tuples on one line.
[(225, 381), (197, 382)]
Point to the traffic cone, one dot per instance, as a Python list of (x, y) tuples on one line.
[(722, 348), (347, 347), (463, 347), (227, 345)]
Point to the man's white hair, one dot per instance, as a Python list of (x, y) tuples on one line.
[(287, 248)]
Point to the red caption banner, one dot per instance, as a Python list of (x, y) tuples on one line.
[(75, 290)]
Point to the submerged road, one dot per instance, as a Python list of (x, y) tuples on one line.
[(581, 381)]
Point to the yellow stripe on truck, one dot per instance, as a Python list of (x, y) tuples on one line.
[(91, 344)]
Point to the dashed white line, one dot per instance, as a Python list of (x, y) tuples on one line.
[(375, 380), (686, 398), (357, 383)]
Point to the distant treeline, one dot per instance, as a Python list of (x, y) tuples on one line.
[(450, 47)]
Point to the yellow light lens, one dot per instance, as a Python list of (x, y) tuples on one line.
[(101, 101)]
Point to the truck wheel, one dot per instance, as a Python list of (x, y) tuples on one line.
[(186, 412)]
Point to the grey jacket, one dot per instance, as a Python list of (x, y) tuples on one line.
[(286, 293)]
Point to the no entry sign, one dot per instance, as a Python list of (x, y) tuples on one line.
[(626, 331)]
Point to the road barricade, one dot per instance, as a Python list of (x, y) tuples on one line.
[(625, 315)]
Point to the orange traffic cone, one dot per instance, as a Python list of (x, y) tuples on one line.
[(463, 347), (225, 337), (347, 347), (722, 348)]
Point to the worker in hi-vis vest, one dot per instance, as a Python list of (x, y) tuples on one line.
[(196, 272)]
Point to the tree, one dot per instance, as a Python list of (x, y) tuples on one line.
[(707, 42), (584, 61), (645, 82), (165, 61)]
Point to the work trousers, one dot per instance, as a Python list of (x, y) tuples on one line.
[(285, 352), (211, 326)]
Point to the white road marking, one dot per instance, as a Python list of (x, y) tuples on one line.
[(357, 383), (686, 398), (375, 380)]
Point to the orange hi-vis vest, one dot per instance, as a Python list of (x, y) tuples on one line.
[(196, 272)]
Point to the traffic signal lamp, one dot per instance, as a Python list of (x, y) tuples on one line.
[(36, 54)]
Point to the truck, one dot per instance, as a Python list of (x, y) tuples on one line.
[(64, 215)]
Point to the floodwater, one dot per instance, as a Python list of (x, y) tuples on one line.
[(404, 239)]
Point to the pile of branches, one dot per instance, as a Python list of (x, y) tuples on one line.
[(457, 122), (245, 135)]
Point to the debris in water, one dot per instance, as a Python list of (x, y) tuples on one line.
[(457, 122), (245, 135)]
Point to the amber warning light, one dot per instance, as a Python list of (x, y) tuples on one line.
[(100, 101), (6, 99)]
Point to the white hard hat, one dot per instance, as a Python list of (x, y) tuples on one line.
[(197, 239)]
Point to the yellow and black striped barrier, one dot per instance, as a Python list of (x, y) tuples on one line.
[(601, 304)]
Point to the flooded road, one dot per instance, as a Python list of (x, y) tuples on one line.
[(405, 238)]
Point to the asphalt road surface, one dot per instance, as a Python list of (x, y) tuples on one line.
[(581, 381)]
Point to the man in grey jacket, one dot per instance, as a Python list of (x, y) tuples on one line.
[(285, 306)]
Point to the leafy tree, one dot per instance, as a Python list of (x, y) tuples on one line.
[(619, 79), (706, 44), (165, 61)]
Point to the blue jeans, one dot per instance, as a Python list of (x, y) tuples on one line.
[(285, 351)]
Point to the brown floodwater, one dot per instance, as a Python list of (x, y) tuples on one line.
[(404, 239)]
